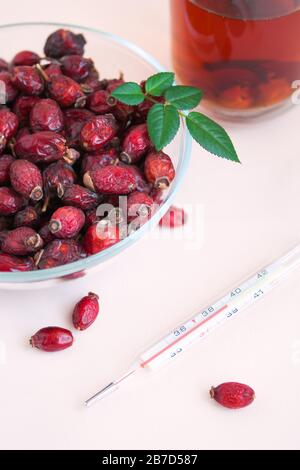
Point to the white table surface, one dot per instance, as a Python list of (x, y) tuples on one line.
[(251, 215)]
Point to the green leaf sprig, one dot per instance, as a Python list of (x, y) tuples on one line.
[(170, 102)]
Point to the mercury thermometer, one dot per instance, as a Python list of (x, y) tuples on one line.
[(204, 322)]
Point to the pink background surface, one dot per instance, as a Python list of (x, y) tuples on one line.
[(251, 215)]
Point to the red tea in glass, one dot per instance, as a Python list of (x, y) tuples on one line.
[(244, 54)]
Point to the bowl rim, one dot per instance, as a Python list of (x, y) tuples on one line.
[(184, 152)]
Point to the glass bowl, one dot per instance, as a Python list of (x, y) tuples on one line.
[(111, 54)]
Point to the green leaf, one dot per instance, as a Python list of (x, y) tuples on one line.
[(159, 83), (184, 97), (163, 123), (211, 136), (129, 93)]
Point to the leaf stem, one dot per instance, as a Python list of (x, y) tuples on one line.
[(153, 100)]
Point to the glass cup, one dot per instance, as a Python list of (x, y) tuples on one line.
[(244, 54)]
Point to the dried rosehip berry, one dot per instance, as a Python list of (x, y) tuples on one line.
[(10, 201), (45, 233), (66, 91), (136, 144), (175, 217), (100, 236), (94, 83), (3, 65), (78, 196), (9, 89), (58, 253), (63, 42), (52, 70), (21, 241), (110, 180), (86, 311), (28, 80), (76, 67), (41, 147), (5, 163), (23, 106), (74, 120), (101, 102), (58, 175), (26, 58), (140, 205), (51, 339), (100, 159), (46, 115), (8, 127), (233, 395), (157, 196), (159, 169), (10, 263), (66, 222), (28, 217), (26, 179), (91, 217), (141, 183), (98, 131)]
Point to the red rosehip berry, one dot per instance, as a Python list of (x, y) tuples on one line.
[(63, 42), (76, 67), (66, 222), (98, 131), (23, 106), (3, 65), (52, 70), (9, 89), (159, 169), (101, 102), (59, 252), (66, 91), (10, 201), (21, 241), (136, 144), (233, 395), (5, 163), (175, 217), (41, 147), (28, 80), (100, 236), (10, 263), (80, 197), (86, 311), (26, 58), (27, 217), (100, 159), (139, 205), (8, 127), (46, 115), (74, 120), (26, 179), (110, 180), (51, 339), (58, 175)]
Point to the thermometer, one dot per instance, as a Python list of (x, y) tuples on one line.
[(204, 322)]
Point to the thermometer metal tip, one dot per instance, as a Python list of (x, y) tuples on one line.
[(101, 394)]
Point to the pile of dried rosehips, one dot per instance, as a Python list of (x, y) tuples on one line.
[(66, 147)]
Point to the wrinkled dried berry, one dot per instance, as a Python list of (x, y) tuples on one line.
[(51, 339), (98, 131), (10, 263), (60, 252), (28, 217), (58, 175), (233, 395), (10, 201), (100, 159), (41, 147), (74, 119), (66, 91), (28, 80), (21, 241), (86, 311), (23, 106), (63, 42), (159, 169), (101, 102), (45, 233), (175, 217), (141, 183), (100, 236), (46, 115), (5, 163), (9, 89), (8, 127), (78, 196), (76, 67), (110, 180), (26, 179), (52, 70), (136, 144), (140, 205), (66, 222), (26, 58), (3, 65)]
